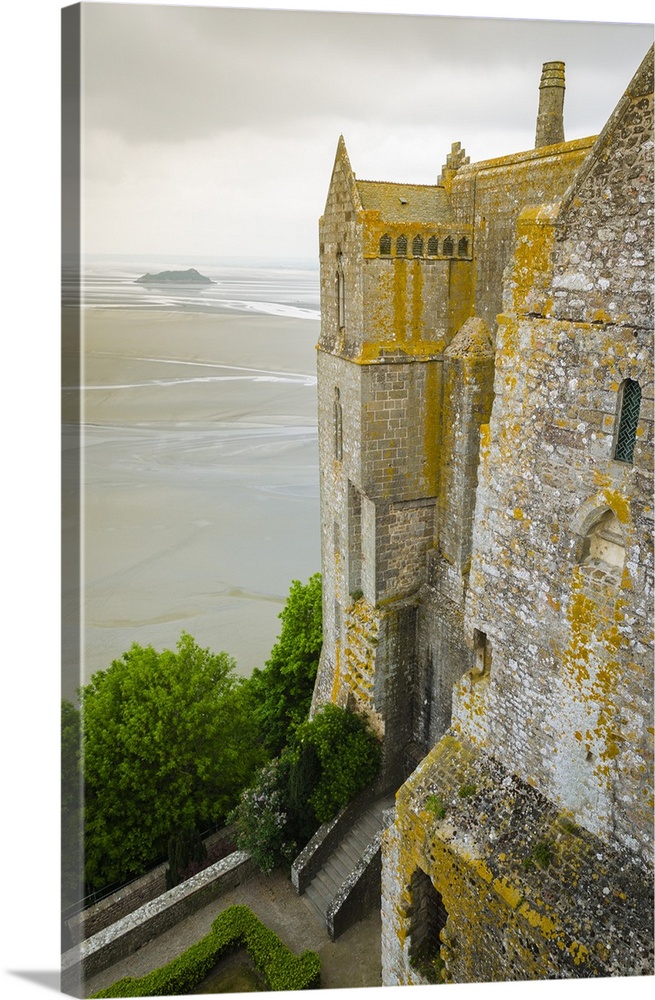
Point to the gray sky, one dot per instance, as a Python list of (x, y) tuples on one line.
[(212, 130)]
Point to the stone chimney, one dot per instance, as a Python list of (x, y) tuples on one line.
[(550, 120)]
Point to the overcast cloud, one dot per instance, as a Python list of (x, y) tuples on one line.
[(213, 131)]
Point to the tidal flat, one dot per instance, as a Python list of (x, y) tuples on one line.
[(199, 479)]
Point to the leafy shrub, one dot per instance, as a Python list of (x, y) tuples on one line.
[(330, 759), (428, 962), (261, 818), (543, 853), (304, 776), (349, 756), (235, 927)]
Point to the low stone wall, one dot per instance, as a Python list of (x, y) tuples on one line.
[(153, 918), (130, 897)]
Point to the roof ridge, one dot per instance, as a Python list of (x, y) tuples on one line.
[(361, 180)]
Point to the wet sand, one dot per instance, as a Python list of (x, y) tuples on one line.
[(199, 479)]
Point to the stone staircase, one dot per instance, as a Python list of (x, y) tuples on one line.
[(339, 873)]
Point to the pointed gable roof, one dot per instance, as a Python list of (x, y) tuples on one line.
[(641, 85), (342, 171)]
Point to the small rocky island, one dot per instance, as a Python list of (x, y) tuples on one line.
[(189, 277)]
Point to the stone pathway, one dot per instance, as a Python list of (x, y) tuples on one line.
[(352, 961)]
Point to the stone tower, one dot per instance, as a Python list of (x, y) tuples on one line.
[(389, 255)]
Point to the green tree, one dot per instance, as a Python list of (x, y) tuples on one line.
[(169, 742), (282, 690)]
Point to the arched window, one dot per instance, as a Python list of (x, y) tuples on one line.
[(341, 294), (338, 425), (448, 246), (401, 246), (385, 244), (626, 434), (417, 246), (433, 246), (463, 247)]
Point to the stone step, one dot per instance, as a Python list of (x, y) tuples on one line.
[(329, 884), (324, 892), (344, 859), (369, 825), (358, 842), (351, 853), (339, 865), (317, 901), (333, 871), (362, 834)]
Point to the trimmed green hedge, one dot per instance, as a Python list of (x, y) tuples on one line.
[(233, 928)]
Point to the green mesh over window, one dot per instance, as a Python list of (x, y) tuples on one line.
[(628, 420), (417, 246), (401, 246)]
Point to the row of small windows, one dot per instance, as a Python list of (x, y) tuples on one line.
[(418, 246)]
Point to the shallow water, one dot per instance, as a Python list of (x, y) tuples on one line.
[(200, 477)]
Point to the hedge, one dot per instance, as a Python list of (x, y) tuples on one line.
[(233, 928)]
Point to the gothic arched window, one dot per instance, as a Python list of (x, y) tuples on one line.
[(417, 246), (448, 246), (626, 434), (338, 425), (341, 294), (433, 246), (385, 244), (463, 247), (401, 246)]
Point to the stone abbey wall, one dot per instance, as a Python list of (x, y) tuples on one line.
[(486, 451), (571, 642)]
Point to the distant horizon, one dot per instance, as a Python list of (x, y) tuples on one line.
[(197, 256)]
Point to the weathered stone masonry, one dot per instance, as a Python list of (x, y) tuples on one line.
[(486, 450)]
